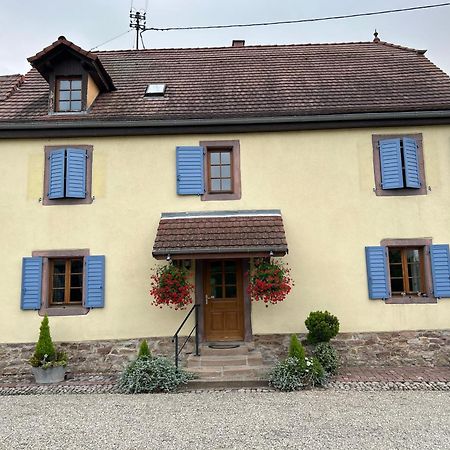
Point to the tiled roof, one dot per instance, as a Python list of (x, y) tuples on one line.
[(214, 234), (8, 83), (252, 81)]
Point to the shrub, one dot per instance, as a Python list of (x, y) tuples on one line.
[(157, 374), (322, 326), (287, 375), (296, 349), (144, 351), (45, 354), (314, 374), (328, 357)]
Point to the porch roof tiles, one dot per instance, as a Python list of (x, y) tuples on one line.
[(220, 234)]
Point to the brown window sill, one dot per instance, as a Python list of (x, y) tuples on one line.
[(409, 300), (213, 196), (71, 310)]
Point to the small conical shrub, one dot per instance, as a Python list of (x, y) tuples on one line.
[(144, 351), (44, 347), (296, 349)]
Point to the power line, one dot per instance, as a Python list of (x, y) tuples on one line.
[(109, 40), (283, 22)]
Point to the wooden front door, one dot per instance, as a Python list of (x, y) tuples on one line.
[(224, 301)]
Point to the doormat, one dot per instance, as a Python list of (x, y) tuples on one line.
[(223, 346)]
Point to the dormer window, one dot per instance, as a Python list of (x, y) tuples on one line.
[(75, 76), (68, 94)]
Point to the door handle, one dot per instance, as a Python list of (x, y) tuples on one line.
[(208, 297)]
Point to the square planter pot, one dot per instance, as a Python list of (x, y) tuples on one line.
[(50, 375)]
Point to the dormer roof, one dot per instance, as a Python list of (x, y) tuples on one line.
[(44, 61)]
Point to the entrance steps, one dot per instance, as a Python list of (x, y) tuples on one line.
[(242, 363)]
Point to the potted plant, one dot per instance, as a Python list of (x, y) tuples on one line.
[(170, 286), (48, 364), (269, 281)]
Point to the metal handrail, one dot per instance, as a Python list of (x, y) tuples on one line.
[(176, 339)]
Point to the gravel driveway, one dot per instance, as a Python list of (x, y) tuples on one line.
[(228, 420)]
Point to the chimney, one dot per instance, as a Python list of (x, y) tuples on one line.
[(238, 43)]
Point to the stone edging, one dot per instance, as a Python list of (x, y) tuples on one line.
[(106, 388)]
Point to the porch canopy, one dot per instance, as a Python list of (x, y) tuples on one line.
[(220, 234)]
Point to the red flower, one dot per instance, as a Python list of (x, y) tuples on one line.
[(269, 282), (170, 286)]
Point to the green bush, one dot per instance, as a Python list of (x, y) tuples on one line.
[(157, 374), (144, 351), (314, 374), (322, 326), (287, 375), (328, 357), (45, 354), (296, 349)]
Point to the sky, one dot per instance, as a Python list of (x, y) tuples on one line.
[(27, 26)]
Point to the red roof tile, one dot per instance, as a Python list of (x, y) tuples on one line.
[(223, 234), (8, 84), (246, 82)]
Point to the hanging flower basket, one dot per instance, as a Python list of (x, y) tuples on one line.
[(269, 282), (170, 286)]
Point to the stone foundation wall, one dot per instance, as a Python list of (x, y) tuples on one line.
[(390, 349), (405, 348), (88, 356)]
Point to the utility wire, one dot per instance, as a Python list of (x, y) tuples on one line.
[(109, 40), (283, 22)]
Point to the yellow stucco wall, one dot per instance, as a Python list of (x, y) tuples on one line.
[(92, 91), (321, 180)]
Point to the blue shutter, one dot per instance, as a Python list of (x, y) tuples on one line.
[(95, 282), (190, 179), (56, 174), (391, 164), (377, 275), (76, 173), (31, 283), (440, 266), (412, 175)]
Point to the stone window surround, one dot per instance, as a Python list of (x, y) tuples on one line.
[(234, 146), (68, 201), (411, 299), (70, 310), (379, 191)]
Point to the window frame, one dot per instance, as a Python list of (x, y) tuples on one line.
[(65, 309), (421, 243), (234, 148), (68, 281), (379, 191), (71, 78), (66, 200)]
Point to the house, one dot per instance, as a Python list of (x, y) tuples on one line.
[(333, 157)]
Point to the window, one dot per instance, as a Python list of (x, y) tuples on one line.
[(219, 171), (406, 270), (63, 282), (66, 281), (68, 175), (211, 170), (222, 174), (68, 94), (398, 165)]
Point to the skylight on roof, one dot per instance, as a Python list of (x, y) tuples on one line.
[(155, 90)]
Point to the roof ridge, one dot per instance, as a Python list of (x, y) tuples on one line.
[(306, 44), (402, 47)]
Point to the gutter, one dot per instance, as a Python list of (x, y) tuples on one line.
[(245, 124)]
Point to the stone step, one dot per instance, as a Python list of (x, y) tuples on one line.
[(252, 359), (230, 372), (241, 350)]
